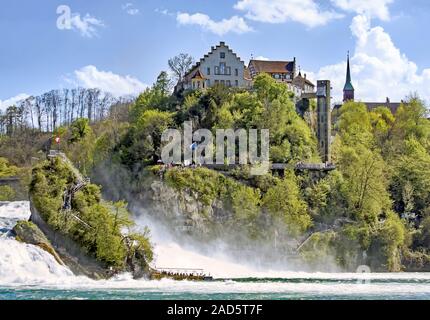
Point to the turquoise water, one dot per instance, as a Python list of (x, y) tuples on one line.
[(28, 273), (387, 287)]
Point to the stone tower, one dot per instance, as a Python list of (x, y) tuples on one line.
[(348, 90), (324, 119)]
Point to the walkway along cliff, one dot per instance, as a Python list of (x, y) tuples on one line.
[(86, 232)]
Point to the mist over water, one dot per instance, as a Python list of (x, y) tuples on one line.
[(28, 272), (174, 252)]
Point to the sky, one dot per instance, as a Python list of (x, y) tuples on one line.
[(121, 45)]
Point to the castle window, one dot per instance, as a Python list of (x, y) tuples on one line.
[(222, 55), (236, 72), (209, 71), (222, 68), (216, 70), (228, 83), (237, 83)]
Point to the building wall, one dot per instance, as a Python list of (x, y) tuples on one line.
[(232, 62)]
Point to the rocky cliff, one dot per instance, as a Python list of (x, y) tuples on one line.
[(181, 208), (70, 253)]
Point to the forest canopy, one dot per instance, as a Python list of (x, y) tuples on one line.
[(374, 206)]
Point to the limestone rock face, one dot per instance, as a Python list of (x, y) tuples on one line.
[(181, 207), (29, 233), (138, 266)]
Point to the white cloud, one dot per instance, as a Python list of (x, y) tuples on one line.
[(91, 77), (261, 58), (306, 12), (234, 24), (164, 12), (130, 9), (379, 68), (87, 25), (12, 101), (372, 8)]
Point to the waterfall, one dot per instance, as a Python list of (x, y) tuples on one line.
[(23, 263), (172, 252), (25, 266)]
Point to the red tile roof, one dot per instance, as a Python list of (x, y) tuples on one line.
[(301, 81), (260, 66), (247, 74)]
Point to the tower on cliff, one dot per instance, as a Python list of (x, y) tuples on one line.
[(324, 119), (348, 90)]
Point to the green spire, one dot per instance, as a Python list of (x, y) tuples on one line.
[(348, 84)]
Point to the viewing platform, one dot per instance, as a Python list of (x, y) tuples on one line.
[(7, 180), (180, 274), (301, 166)]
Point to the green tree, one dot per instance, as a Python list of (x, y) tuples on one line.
[(7, 193), (412, 168), (149, 129), (354, 125), (6, 169), (163, 84), (121, 215), (284, 202), (382, 121), (366, 182), (411, 122), (80, 128)]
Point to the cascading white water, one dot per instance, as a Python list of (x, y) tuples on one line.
[(171, 254), (28, 266), (22, 263)]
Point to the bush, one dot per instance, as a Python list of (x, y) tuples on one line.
[(6, 169), (284, 202), (92, 223), (6, 193), (209, 185)]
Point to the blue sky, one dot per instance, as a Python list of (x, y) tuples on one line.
[(122, 45)]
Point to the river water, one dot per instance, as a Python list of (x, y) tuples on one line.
[(27, 272)]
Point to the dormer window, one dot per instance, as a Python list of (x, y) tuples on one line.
[(222, 55)]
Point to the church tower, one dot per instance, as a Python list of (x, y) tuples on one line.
[(348, 90)]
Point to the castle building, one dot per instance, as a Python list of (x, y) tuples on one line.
[(301, 85), (220, 66), (283, 72)]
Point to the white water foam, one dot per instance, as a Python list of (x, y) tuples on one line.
[(24, 265), (170, 254)]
